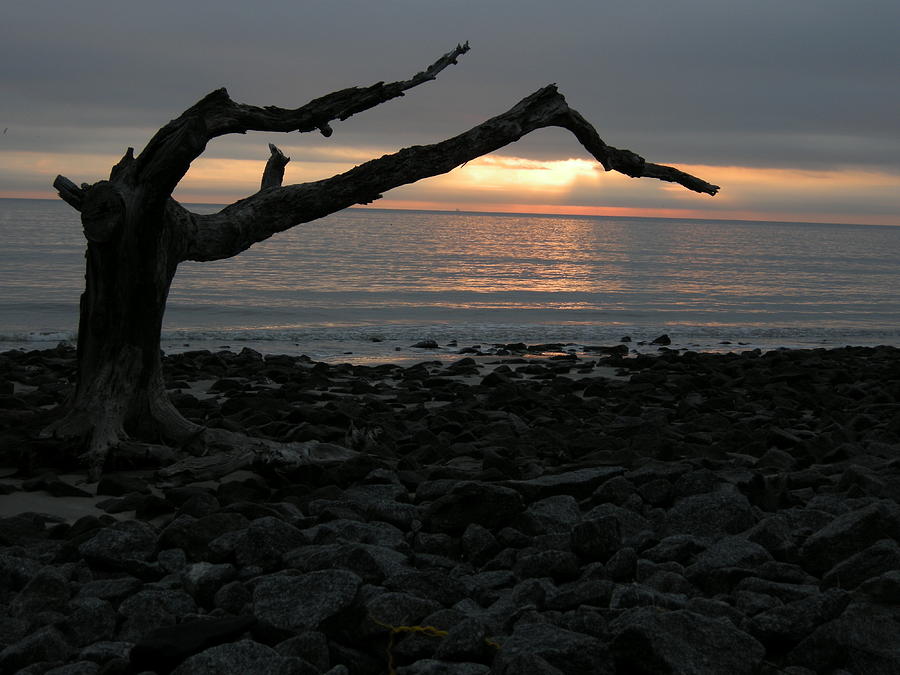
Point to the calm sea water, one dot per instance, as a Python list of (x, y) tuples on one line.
[(373, 282)]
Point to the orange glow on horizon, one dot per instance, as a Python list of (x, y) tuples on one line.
[(508, 184)]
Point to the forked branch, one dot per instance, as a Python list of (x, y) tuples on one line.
[(168, 155)]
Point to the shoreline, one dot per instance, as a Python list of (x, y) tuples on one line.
[(586, 513), (375, 348)]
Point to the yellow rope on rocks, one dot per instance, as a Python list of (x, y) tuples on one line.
[(430, 631)]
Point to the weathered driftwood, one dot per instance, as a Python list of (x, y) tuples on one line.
[(244, 453), (137, 236)]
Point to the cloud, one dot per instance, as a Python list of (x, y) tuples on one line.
[(807, 84)]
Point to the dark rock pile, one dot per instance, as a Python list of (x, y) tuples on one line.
[(700, 514)]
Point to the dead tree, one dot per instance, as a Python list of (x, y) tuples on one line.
[(137, 235)]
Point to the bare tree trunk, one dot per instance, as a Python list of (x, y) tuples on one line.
[(137, 235), (132, 255)]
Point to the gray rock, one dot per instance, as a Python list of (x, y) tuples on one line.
[(479, 544), (559, 513), (596, 539), (715, 609), (44, 644), (113, 590), (728, 553), (47, 591), (696, 482), (667, 581), (371, 563), (621, 566), (785, 592), (396, 609), (394, 513), (303, 602), (415, 646), (164, 648), (123, 541), (882, 556), (193, 535), (233, 597), (784, 572), (562, 649), (77, 668), (625, 596), (648, 641), (862, 640), (202, 580), (750, 603), (711, 515), (654, 469), (89, 620), (883, 589), (486, 503), (172, 560), (585, 621), (526, 664), (790, 623), (592, 592), (616, 490), (244, 656), (579, 483), (354, 531), (117, 485), (16, 571), (677, 547), (776, 535), (265, 541), (311, 646), (558, 565), (430, 584), (656, 492), (152, 608), (465, 642), (12, 629), (632, 526), (436, 667), (105, 651), (850, 533)]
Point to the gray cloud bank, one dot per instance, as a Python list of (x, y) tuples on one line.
[(805, 83)]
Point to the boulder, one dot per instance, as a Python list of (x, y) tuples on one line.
[(564, 650), (882, 556), (490, 505), (113, 546), (790, 623), (164, 648), (44, 644), (294, 603), (710, 515), (245, 656), (861, 640), (579, 483), (647, 641)]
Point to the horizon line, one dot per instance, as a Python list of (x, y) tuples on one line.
[(548, 214)]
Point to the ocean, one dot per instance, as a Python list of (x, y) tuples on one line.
[(363, 285)]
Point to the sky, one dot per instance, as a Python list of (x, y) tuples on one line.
[(791, 106)]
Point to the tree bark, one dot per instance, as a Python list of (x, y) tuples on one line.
[(137, 235)]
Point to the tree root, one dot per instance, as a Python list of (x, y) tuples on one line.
[(215, 452), (237, 451)]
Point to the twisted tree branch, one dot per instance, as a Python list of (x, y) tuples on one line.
[(240, 225)]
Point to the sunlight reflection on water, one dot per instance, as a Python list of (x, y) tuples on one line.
[(410, 275)]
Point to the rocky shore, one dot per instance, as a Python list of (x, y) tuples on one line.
[(518, 514)]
